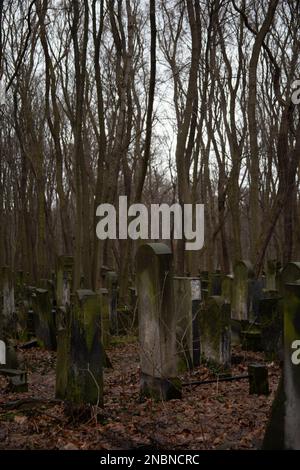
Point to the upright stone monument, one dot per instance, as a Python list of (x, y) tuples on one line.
[(79, 377), (157, 322), (215, 333), (196, 308), (243, 273)]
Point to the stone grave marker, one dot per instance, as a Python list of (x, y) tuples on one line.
[(79, 373), (157, 322), (215, 333)]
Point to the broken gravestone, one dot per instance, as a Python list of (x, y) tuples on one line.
[(157, 322)]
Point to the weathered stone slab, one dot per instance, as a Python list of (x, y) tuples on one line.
[(243, 272), (157, 322), (80, 365), (215, 332)]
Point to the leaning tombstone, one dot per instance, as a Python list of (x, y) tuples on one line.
[(157, 322), (184, 322), (215, 334)]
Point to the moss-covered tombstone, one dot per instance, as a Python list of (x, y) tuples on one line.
[(215, 333), (80, 353), (157, 322)]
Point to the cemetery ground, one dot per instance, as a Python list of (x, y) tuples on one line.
[(213, 416)]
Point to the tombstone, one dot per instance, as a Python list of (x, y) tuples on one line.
[(112, 287), (105, 322), (215, 334), (271, 325), (44, 319), (227, 288), (243, 273), (290, 273), (292, 365), (157, 322), (7, 308), (184, 322), (64, 280), (79, 372), (256, 294)]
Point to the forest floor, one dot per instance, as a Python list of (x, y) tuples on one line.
[(216, 416)]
